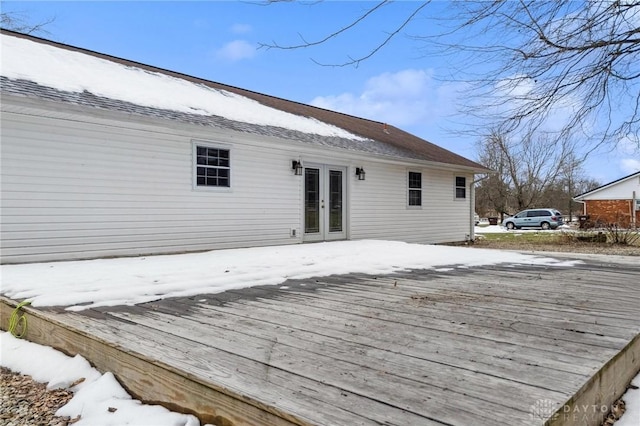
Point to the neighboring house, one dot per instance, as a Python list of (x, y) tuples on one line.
[(102, 156), (617, 202)]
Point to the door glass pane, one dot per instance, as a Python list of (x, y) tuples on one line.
[(311, 200), (335, 201)]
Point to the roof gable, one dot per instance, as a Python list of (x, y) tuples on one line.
[(609, 186), (35, 67)]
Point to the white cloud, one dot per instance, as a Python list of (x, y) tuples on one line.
[(241, 28), (518, 86), (236, 50), (515, 93), (403, 98), (630, 165), (628, 154)]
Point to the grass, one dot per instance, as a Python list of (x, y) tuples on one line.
[(527, 237), (577, 242)]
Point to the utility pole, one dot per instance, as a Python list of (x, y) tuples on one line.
[(570, 198)]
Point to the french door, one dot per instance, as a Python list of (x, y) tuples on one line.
[(324, 203)]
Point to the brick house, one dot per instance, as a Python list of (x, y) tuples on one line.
[(616, 202)]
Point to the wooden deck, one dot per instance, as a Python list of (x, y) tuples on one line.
[(507, 344)]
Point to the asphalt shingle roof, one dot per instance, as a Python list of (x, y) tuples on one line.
[(381, 139)]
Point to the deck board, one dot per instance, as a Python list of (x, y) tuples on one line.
[(439, 346), (374, 381), (447, 321), (310, 400), (437, 306), (385, 322), (460, 347)]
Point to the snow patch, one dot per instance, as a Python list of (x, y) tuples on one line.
[(129, 281), (98, 399)]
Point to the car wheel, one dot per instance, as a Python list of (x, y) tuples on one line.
[(545, 225), (510, 226)]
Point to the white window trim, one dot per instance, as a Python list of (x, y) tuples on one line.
[(455, 188), (421, 189), (195, 143)]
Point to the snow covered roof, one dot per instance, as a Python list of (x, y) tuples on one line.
[(39, 68)]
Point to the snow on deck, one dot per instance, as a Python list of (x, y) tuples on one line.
[(129, 281)]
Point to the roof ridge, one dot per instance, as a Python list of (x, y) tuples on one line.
[(173, 73), (395, 139), (608, 184)]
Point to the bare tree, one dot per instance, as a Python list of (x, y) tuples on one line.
[(584, 184), (539, 60), (19, 22), (570, 175), (579, 61), (367, 13), (571, 182), (526, 170), (493, 193)]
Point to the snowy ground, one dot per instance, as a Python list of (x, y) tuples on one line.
[(499, 229), (98, 399), (490, 229), (127, 281)]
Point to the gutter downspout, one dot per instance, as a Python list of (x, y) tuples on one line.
[(633, 208), (584, 206), (472, 207)]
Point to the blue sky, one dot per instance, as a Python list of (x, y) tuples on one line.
[(218, 40)]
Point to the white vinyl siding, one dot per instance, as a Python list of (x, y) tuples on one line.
[(73, 189), (79, 185), (378, 207), (622, 190)]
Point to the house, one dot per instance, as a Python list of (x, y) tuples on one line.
[(617, 202), (103, 156)]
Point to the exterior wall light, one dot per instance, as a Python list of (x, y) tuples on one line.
[(296, 166), (360, 173)]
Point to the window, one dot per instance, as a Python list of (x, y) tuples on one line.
[(461, 187), (212, 167), (538, 213), (415, 189)]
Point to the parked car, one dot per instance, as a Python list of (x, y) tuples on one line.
[(535, 218), (476, 219)]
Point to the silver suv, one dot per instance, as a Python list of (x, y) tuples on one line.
[(535, 218)]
